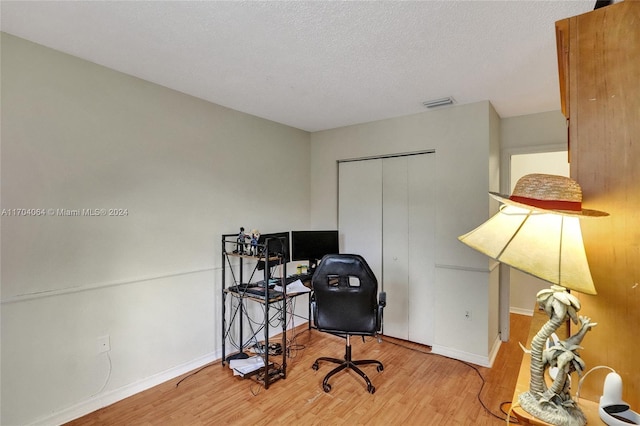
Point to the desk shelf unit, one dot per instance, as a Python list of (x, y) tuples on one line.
[(233, 264)]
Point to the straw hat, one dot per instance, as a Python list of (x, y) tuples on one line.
[(558, 194)]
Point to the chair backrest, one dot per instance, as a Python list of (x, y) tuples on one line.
[(345, 291)]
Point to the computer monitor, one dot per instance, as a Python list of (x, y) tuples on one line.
[(313, 245), (278, 245)]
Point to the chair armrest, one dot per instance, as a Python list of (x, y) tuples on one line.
[(382, 302), (382, 299), (314, 309)]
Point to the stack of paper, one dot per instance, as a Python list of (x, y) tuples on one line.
[(244, 366), (294, 287)]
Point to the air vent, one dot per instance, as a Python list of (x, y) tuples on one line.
[(435, 103)]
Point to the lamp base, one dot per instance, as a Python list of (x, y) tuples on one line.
[(555, 414)]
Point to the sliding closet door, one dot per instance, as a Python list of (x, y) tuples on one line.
[(408, 235), (359, 211), (421, 241), (395, 250), (387, 214)]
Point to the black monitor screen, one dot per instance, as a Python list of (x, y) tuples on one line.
[(313, 245), (278, 244)]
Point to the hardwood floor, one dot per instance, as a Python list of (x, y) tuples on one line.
[(415, 388)]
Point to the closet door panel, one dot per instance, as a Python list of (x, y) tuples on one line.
[(387, 214), (395, 250), (421, 247), (360, 211)]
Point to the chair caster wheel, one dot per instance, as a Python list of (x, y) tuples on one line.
[(371, 389), (327, 387), (315, 366), (380, 368)]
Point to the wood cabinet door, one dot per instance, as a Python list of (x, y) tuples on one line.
[(604, 94)]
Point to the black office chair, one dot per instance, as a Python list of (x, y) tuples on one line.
[(344, 303)]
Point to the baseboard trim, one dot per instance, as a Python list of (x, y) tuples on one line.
[(107, 398), (494, 350), (483, 361), (102, 400), (520, 311)]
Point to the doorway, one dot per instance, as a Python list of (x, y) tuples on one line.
[(523, 287)]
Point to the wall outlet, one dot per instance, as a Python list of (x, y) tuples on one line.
[(103, 344), (467, 315)]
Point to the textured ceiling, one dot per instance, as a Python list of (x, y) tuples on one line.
[(317, 65)]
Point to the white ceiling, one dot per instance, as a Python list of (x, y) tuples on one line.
[(317, 65)]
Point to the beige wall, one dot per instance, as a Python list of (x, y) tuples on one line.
[(79, 136), (463, 138)]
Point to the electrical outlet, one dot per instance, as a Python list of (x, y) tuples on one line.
[(103, 344), (467, 315)]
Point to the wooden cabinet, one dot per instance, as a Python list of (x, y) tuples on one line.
[(562, 42), (599, 69)]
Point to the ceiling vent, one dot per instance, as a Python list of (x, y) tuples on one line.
[(435, 103)]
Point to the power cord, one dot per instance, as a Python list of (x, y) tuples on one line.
[(106, 381), (474, 368), (598, 367), (509, 413), (292, 346), (197, 371)]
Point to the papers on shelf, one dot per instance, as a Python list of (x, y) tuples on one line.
[(294, 287), (244, 366)]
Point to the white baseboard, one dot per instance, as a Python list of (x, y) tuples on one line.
[(494, 350), (107, 398), (520, 311), (483, 361), (102, 400)]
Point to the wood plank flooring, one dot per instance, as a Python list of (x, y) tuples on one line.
[(415, 388)]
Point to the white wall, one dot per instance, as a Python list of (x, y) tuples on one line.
[(79, 136), (464, 141), (538, 142)]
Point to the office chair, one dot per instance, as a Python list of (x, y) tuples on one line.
[(344, 304)]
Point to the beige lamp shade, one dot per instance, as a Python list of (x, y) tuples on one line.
[(546, 245)]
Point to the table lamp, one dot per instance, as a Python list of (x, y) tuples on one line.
[(537, 231)]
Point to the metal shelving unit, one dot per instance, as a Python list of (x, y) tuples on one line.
[(234, 261)]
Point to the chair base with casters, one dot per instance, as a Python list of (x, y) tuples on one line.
[(347, 363)]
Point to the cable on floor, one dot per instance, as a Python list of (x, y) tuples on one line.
[(509, 413), (473, 367), (197, 371), (292, 346)]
